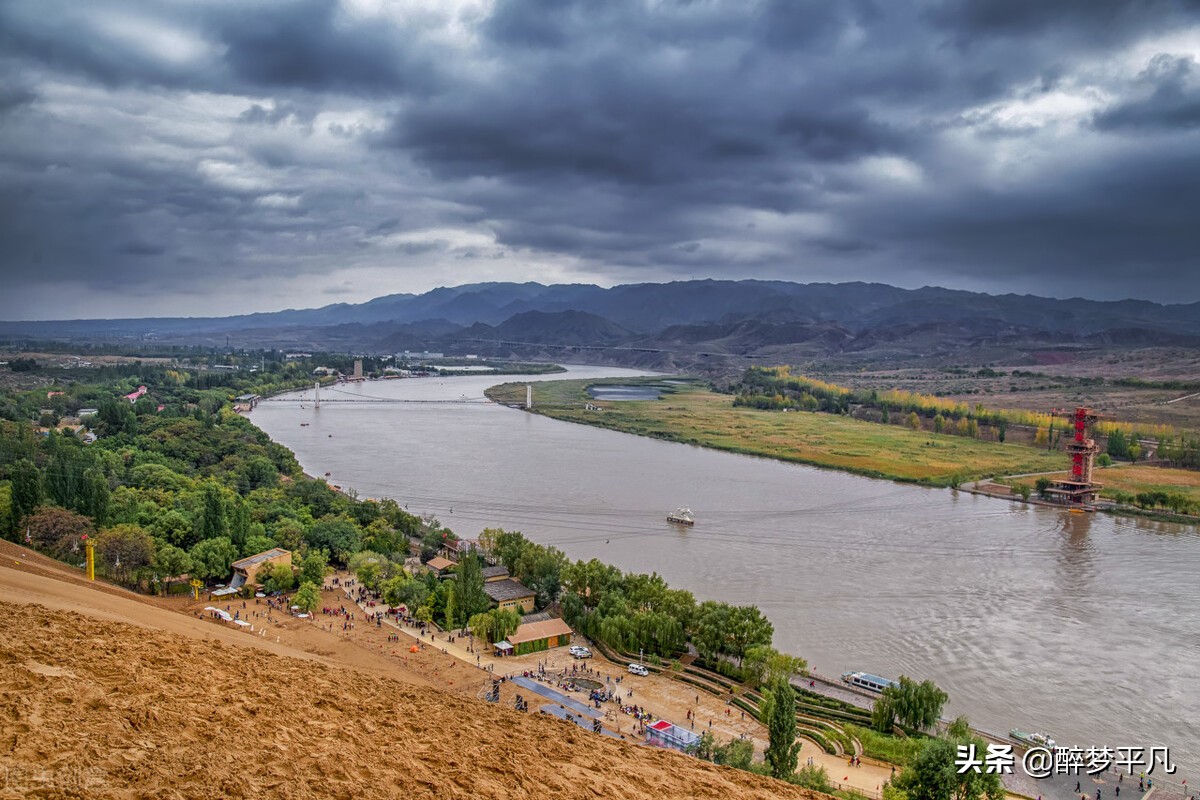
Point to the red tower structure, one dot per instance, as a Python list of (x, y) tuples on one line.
[(1078, 488)]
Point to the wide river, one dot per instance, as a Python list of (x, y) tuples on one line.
[(1085, 626)]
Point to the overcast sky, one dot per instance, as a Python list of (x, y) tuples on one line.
[(209, 157)]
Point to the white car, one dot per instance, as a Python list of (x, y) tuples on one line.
[(638, 669), (580, 652)]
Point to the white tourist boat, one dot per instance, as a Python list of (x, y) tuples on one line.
[(681, 516)]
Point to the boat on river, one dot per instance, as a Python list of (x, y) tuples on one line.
[(1032, 739), (681, 516), (865, 680)]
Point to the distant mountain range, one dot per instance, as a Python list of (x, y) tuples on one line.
[(684, 319)]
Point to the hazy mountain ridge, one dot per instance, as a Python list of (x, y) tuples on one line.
[(749, 317)]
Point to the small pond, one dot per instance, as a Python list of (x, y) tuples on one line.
[(607, 392)]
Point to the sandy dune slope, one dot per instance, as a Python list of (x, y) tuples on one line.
[(105, 695)]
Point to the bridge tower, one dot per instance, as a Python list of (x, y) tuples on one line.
[(528, 396), (1078, 488), (317, 394)]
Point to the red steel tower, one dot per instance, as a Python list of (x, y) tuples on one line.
[(1079, 487)]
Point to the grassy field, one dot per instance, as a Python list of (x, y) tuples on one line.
[(692, 414), (1135, 478)]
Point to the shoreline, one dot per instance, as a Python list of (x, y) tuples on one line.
[(989, 734), (969, 484)]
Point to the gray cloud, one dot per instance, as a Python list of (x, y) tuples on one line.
[(169, 151)]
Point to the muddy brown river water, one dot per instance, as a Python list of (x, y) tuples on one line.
[(1085, 626)]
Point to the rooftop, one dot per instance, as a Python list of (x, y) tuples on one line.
[(438, 563), (258, 558), (495, 572), (533, 631), (506, 589)]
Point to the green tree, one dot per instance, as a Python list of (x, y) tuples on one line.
[(914, 421), (494, 625), (171, 561), (7, 523), (26, 481), (779, 714), (470, 599), (813, 777), (736, 753), (915, 705), (212, 523), (370, 568), (451, 611), (339, 536), (211, 558), (406, 591), (95, 495), (280, 578), (765, 664), (124, 550), (314, 566), (1118, 444), (933, 774), (174, 528), (939, 423), (1042, 485), (256, 544), (308, 597), (746, 628), (239, 523)]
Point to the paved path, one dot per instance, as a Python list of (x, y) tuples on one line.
[(557, 696), (557, 711)]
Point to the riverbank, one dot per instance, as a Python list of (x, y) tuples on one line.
[(839, 544), (691, 414)]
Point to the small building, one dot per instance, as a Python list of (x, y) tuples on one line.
[(534, 637), (665, 734), (133, 397), (497, 573), (249, 568), (457, 548), (442, 566), (248, 400), (507, 593), (84, 413)]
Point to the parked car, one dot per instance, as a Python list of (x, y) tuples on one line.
[(638, 669), (580, 652)]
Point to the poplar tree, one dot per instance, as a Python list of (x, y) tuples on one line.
[(779, 714)]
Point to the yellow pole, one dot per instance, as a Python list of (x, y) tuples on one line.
[(91, 559), (196, 589)]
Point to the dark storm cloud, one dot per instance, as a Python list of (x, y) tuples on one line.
[(1172, 100), (171, 147), (305, 45)]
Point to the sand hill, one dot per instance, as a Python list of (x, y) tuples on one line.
[(105, 694)]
